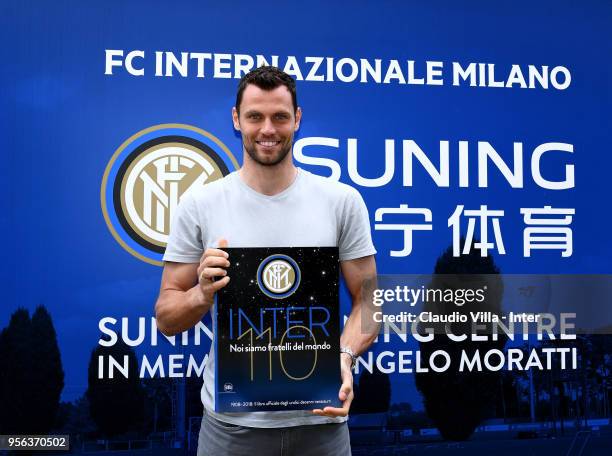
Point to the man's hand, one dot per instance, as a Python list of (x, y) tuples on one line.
[(346, 390), (212, 266), (188, 290)]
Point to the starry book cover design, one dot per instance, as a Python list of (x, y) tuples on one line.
[(277, 330)]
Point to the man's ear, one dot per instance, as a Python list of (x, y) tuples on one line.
[(298, 118), (235, 119)]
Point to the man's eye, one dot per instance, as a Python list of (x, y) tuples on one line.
[(281, 116), (254, 116)]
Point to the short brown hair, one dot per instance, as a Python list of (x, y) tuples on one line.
[(267, 78)]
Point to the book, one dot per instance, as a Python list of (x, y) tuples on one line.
[(277, 330)]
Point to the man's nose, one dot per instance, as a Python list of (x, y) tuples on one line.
[(268, 127)]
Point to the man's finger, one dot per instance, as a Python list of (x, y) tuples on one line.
[(331, 411), (345, 390), (210, 273), (213, 253), (216, 286), (334, 411), (213, 261)]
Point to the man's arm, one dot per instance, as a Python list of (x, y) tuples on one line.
[(360, 277), (359, 330), (188, 290)]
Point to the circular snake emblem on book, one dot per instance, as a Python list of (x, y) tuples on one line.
[(278, 276)]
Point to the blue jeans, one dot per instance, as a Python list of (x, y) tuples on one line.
[(218, 438)]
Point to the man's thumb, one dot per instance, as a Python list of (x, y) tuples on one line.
[(222, 242)]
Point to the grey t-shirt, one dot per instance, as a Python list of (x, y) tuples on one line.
[(312, 211)]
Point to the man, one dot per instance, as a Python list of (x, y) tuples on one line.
[(267, 203)]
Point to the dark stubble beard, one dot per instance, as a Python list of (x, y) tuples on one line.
[(253, 154)]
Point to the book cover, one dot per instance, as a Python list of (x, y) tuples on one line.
[(277, 330)]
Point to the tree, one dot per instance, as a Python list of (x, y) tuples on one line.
[(31, 378), (116, 404), (372, 394), (158, 407), (47, 377), (458, 401), (75, 419), (15, 351)]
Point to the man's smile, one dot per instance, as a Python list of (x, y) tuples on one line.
[(268, 143)]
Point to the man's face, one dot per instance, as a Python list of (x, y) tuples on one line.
[(267, 123)]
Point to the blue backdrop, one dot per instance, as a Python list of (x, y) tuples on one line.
[(63, 119)]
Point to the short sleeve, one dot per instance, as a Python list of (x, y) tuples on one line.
[(355, 235), (185, 240)]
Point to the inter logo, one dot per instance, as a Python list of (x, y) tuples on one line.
[(146, 177), (278, 276)]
